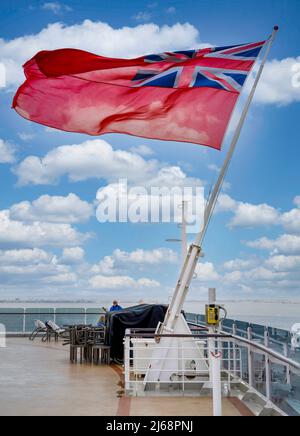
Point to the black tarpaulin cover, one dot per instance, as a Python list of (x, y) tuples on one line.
[(143, 316)]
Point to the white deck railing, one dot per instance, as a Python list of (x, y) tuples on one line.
[(247, 367)]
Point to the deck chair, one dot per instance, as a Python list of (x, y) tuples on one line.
[(40, 327), (55, 331)]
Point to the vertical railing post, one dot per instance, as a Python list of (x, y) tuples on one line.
[(127, 361), (24, 322), (234, 331), (85, 316), (220, 346), (54, 315), (250, 359), (268, 367), (288, 370)]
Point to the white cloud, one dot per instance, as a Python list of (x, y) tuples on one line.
[(284, 263), (254, 215), (37, 234), (297, 201), (56, 7), (151, 257), (142, 150), (206, 272), (91, 159), (122, 283), (32, 268), (285, 244), (226, 204), (233, 277), (264, 274), (143, 16), (70, 209), (123, 260), (97, 159), (238, 264), (276, 85), (96, 37), (61, 279), (250, 215), (7, 152), (26, 257), (246, 214), (26, 137), (291, 220), (73, 256)]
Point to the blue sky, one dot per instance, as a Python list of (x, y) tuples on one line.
[(53, 247)]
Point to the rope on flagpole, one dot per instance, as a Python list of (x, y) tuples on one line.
[(217, 189)]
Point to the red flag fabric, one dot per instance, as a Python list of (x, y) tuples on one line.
[(184, 96)]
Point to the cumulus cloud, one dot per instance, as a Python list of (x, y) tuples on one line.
[(284, 244), (91, 159), (142, 150), (73, 256), (56, 7), (284, 263), (226, 204), (124, 260), (37, 234), (7, 152), (96, 37), (33, 268), (26, 257), (297, 201), (291, 220), (264, 274), (277, 82), (26, 137), (61, 279), (70, 209), (250, 215), (142, 16), (206, 272), (122, 283), (97, 159), (246, 214), (240, 264), (254, 215)]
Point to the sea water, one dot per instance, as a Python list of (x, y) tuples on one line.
[(278, 314)]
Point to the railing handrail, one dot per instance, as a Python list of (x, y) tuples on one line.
[(228, 328), (222, 335), (269, 351)]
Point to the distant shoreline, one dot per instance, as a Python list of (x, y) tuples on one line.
[(97, 303)]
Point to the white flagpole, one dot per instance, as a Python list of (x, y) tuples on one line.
[(164, 363), (194, 253), (216, 192)]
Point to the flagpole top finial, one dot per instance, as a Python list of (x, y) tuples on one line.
[(276, 28)]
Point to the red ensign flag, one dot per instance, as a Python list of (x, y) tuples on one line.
[(184, 96)]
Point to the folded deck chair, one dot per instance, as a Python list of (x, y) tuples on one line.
[(40, 327), (54, 330)]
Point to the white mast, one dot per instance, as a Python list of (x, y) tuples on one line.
[(194, 252), (183, 232), (164, 361)]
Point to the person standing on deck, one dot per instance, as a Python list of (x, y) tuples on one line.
[(115, 307)]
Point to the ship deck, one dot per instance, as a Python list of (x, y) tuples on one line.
[(37, 379)]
